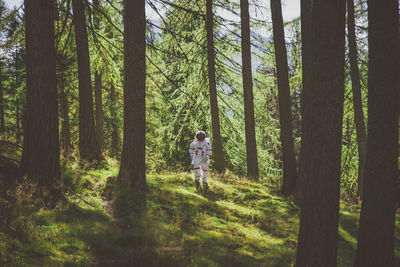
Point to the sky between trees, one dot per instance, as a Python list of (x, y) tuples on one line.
[(290, 9)]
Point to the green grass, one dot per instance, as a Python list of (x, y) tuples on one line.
[(236, 223)]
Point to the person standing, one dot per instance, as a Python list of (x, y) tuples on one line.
[(200, 151)]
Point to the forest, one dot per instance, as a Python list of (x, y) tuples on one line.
[(102, 101)]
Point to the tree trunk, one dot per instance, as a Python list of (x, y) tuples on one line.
[(377, 218), (88, 146), (98, 90), (2, 124), (250, 131), (305, 15), (217, 143), (41, 153), (99, 109), (115, 139), (65, 129), (322, 132), (357, 99), (132, 173), (285, 116)]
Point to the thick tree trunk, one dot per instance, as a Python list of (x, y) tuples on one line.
[(99, 109), (357, 99), (2, 124), (41, 153), (217, 143), (98, 89), (132, 173), (250, 131), (285, 116), (65, 129), (322, 133), (88, 146), (377, 218), (305, 14)]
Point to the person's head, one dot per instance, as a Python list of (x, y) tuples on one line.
[(200, 136)]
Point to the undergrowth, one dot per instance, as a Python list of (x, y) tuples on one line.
[(236, 223)]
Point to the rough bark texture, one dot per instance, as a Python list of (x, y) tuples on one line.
[(99, 109), (305, 15), (285, 116), (322, 133), (132, 171), (217, 143), (377, 218), (357, 99), (2, 125), (88, 147), (41, 154), (251, 145), (98, 90)]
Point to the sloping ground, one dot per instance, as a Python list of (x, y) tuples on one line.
[(234, 224)]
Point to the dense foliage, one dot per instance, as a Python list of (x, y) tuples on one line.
[(141, 71), (177, 85)]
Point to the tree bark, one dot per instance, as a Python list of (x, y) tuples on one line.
[(41, 153), (99, 109), (375, 245), (217, 143), (88, 146), (305, 15), (285, 116), (2, 124), (357, 99), (322, 134), (98, 90), (132, 173), (250, 131)]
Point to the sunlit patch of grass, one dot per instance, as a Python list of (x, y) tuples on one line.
[(237, 223), (246, 214), (222, 227)]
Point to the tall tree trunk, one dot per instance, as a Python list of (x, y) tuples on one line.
[(285, 116), (41, 152), (88, 146), (217, 143), (322, 133), (132, 173), (2, 124), (250, 131), (377, 218), (305, 15), (357, 99), (65, 129), (115, 139), (98, 90), (99, 109)]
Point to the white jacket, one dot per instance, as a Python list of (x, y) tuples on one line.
[(201, 150)]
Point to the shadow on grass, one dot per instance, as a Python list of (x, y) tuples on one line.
[(173, 225), (225, 226)]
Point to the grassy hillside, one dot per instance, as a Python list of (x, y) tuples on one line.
[(237, 223)]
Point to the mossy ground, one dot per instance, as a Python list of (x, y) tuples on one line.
[(237, 223)]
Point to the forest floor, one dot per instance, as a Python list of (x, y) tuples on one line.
[(236, 223)]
